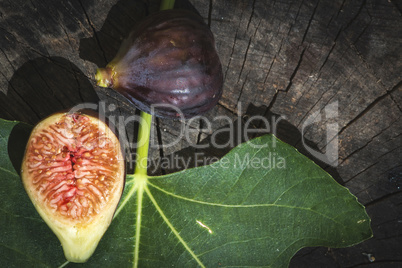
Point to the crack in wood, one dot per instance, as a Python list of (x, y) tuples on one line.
[(38, 71), (94, 31), (292, 76), (361, 172), (129, 14), (395, 101), (244, 59), (210, 13), (67, 35), (370, 166), (227, 108), (341, 8), (367, 143), (383, 198), (389, 152), (309, 22), (75, 74), (25, 102), (362, 32), (251, 15), (296, 17), (361, 114), (231, 55), (370, 106), (5, 78), (269, 69), (271, 104), (350, 74), (8, 60), (318, 101), (353, 44), (355, 16), (234, 44), (45, 25), (323, 64), (241, 90), (327, 56), (399, 8)]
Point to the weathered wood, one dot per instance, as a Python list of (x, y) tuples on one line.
[(289, 58)]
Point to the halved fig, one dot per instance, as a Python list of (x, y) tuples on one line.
[(74, 173), (168, 66)]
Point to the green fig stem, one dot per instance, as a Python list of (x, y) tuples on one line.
[(167, 4), (103, 77), (144, 133)]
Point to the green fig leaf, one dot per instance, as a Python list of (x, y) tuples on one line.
[(257, 206), (25, 239)]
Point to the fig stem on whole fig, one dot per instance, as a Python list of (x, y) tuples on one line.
[(167, 4), (103, 77), (144, 133)]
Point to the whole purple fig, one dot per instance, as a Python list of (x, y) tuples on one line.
[(167, 66)]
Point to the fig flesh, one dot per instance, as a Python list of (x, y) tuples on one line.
[(168, 66), (74, 174)]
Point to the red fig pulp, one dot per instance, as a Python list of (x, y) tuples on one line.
[(73, 171)]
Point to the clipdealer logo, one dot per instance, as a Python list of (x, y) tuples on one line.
[(233, 125)]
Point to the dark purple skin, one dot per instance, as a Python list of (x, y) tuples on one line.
[(170, 58)]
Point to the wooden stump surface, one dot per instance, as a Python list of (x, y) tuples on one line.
[(286, 61)]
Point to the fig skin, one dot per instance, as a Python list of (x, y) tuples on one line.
[(74, 173), (167, 65)]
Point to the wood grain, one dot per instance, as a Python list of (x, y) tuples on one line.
[(288, 59)]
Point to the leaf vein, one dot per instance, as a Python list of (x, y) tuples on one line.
[(174, 231), (242, 172), (9, 171), (19, 216), (255, 186), (235, 242), (243, 206), (23, 254), (124, 201), (294, 185)]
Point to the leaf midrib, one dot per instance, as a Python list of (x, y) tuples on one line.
[(140, 189)]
